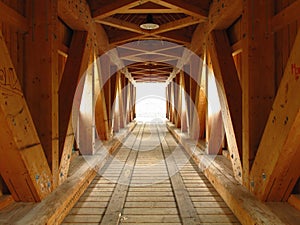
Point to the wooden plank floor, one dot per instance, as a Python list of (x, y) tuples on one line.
[(150, 180)]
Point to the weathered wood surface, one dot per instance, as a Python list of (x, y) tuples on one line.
[(136, 188), (57, 205), (246, 207)]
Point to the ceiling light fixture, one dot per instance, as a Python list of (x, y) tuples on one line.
[(149, 23)]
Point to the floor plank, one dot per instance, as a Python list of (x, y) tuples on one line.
[(150, 181)]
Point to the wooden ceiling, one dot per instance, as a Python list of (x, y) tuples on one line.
[(177, 19)]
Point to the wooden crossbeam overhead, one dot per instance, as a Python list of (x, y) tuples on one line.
[(28, 179), (171, 26), (147, 54), (14, 18), (168, 50), (177, 24), (230, 93), (184, 7), (115, 7), (121, 24), (280, 144), (154, 11)]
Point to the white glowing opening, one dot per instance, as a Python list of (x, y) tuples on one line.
[(151, 102)]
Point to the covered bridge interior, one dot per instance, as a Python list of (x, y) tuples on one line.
[(70, 72)]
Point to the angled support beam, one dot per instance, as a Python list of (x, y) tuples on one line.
[(23, 164), (116, 7), (276, 167), (184, 7), (42, 80), (230, 94), (76, 65)]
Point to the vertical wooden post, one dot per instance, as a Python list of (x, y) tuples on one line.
[(177, 101), (86, 115), (41, 77), (121, 101), (188, 100), (184, 105), (116, 112), (258, 80), (102, 95), (276, 167)]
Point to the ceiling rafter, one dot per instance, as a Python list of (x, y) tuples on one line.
[(184, 7), (121, 24), (116, 7)]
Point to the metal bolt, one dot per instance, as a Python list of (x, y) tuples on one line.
[(264, 176)]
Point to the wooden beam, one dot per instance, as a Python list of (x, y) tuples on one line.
[(23, 164), (119, 6), (286, 16), (230, 94), (65, 159), (86, 131), (177, 99), (184, 7), (221, 15), (42, 79), (153, 11), (177, 24), (258, 81), (104, 68), (280, 142), (121, 24), (76, 65), (13, 18), (237, 48), (294, 200), (5, 201), (248, 209), (76, 14), (185, 84)]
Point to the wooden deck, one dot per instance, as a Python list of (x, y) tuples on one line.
[(150, 180)]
